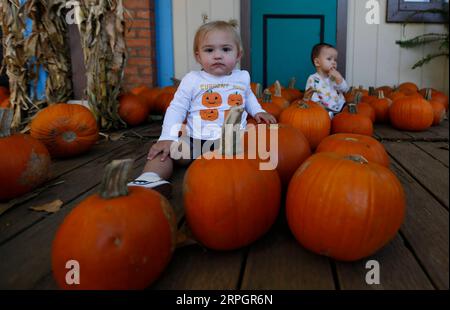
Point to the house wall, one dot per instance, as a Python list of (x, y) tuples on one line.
[(140, 40), (373, 58), (187, 17)]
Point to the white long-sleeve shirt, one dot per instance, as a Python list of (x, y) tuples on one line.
[(203, 100), (328, 92)]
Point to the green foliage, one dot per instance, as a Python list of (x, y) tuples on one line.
[(429, 38)]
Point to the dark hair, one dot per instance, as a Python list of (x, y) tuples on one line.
[(315, 52)]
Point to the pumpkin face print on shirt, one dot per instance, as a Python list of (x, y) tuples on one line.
[(209, 114), (211, 99), (235, 99)]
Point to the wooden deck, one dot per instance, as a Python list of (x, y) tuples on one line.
[(416, 259)]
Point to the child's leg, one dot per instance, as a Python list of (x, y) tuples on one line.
[(162, 168)]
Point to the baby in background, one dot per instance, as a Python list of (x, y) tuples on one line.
[(328, 83)]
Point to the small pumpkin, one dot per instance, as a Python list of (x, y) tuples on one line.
[(278, 98), (436, 95), (343, 206), (211, 99), (133, 109), (411, 113), (66, 129), (352, 122), (308, 117), (24, 161), (163, 99), (438, 108), (351, 144), (149, 95), (122, 237), (364, 108), (408, 88), (381, 107)]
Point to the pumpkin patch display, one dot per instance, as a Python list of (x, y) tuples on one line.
[(66, 129), (24, 161), (122, 238), (343, 206), (351, 144), (229, 202)]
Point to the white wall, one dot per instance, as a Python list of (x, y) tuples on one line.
[(187, 17), (373, 58)]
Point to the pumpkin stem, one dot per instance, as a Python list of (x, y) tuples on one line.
[(258, 91), (357, 159), (115, 179), (358, 97), (231, 142), (352, 109), (380, 94), (292, 82), (267, 96), (303, 104), (277, 88), (372, 91), (428, 94), (6, 117)]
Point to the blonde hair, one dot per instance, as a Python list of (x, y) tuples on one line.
[(230, 26)]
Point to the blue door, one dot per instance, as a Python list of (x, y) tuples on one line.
[(282, 35)]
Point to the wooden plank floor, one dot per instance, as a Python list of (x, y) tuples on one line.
[(417, 258)]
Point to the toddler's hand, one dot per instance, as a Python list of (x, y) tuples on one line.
[(336, 76), (265, 117), (163, 147)]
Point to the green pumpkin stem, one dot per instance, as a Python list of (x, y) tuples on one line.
[(357, 159), (358, 97), (115, 179), (292, 82), (372, 91), (231, 142), (428, 94), (6, 118), (352, 109), (267, 96), (258, 91)]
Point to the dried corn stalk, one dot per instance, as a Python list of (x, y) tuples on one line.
[(14, 59), (48, 44), (102, 28)]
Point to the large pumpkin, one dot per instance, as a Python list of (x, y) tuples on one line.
[(24, 161), (121, 238), (354, 144), (230, 202), (292, 147), (65, 129), (411, 113), (133, 109), (343, 206), (308, 117)]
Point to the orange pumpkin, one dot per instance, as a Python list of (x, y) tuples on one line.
[(235, 99), (381, 107), (364, 108), (24, 161), (242, 208), (149, 95), (211, 99), (6, 104), (411, 113), (351, 144), (437, 96), (278, 98), (133, 109), (292, 147), (209, 114), (408, 88), (4, 93), (352, 122), (386, 90), (343, 206), (122, 238), (66, 129), (438, 108), (163, 99), (308, 117)]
